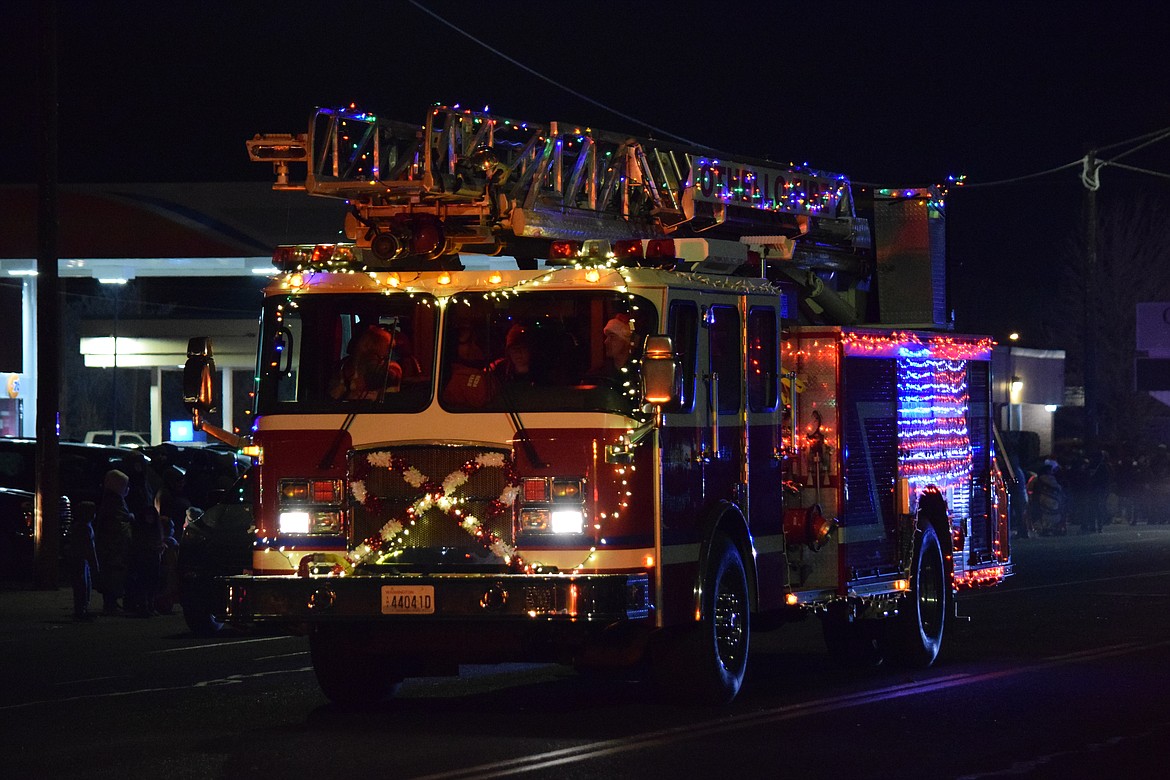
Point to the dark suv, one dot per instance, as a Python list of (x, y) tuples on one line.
[(81, 466)]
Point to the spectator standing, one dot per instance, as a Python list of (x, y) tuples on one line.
[(1046, 501), (1076, 491), (82, 558), (1018, 499), (171, 500), (1098, 484), (146, 545), (168, 579), (112, 539)]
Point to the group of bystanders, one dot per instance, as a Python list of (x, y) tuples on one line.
[(126, 546)]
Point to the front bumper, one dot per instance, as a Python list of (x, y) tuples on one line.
[(590, 598)]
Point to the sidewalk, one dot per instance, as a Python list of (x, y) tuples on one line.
[(20, 603)]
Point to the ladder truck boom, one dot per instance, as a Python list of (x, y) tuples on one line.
[(472, 181)]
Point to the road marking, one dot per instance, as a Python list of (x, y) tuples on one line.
[(90, 679), (1097, 652), (282, 655), (1033, 766), (1007, 590), (663, 737), (233, 679), (232, 643)]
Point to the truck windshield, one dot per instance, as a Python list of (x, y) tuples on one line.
[(322, 353), (544, 351), (536, 351)]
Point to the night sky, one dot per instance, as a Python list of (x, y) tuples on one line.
[(888, 93)]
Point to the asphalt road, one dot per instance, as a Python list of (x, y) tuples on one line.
[(1061, 672)]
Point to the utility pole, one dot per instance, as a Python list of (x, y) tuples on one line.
[(47, 533), (1089, 334)]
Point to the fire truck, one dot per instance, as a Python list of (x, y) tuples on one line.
[(569, 395)]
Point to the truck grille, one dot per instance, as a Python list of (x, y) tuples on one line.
[(390, 478)]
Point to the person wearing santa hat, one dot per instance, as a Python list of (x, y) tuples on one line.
[(618, 342)]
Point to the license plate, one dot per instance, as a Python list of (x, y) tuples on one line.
[(408, 599)]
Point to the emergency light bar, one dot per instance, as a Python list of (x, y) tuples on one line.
[(701, 255), (351, 258)]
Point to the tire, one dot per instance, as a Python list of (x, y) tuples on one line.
[(202, 622), (197, 598), (921, 622), (705, 663), (349, 673)]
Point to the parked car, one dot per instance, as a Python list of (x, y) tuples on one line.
[(216, 543), (81, 466), (17, 540), (208, 471), (125, 438)]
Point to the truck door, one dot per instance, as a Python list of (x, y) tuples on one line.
[(765, 500), (723, 438)]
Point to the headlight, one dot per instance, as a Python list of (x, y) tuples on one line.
[(313, 521), (310, 506), (558, 521), (568, 521), (552, 505), (294, 522)]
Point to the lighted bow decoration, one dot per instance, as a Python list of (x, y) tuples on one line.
[(442, 495)]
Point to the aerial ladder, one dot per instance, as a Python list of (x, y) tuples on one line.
[(471, 182)]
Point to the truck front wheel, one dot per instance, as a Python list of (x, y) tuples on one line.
[(918, 628), (705, 663), (347, 671)]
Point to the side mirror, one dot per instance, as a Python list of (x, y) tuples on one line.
[(658, 371), (198, 377)]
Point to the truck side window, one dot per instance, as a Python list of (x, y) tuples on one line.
[(762, 376), (683, 329), (724, 336)]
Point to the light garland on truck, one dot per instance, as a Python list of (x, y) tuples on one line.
[(934, 445), (904, 344), (798, 190)]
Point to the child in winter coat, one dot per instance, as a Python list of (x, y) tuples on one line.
[(83, 560)]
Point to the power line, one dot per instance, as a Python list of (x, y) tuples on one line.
[(1012, 180), (556, 84), (1139, 170), (1162, 133), (1090, 165)]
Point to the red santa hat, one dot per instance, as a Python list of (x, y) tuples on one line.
[(619, 325)]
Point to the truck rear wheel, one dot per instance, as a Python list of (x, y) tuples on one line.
[(917, 631), (705, 663), (348, 672)]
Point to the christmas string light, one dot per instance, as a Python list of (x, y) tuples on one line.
[(934, 445), (905, 344)]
